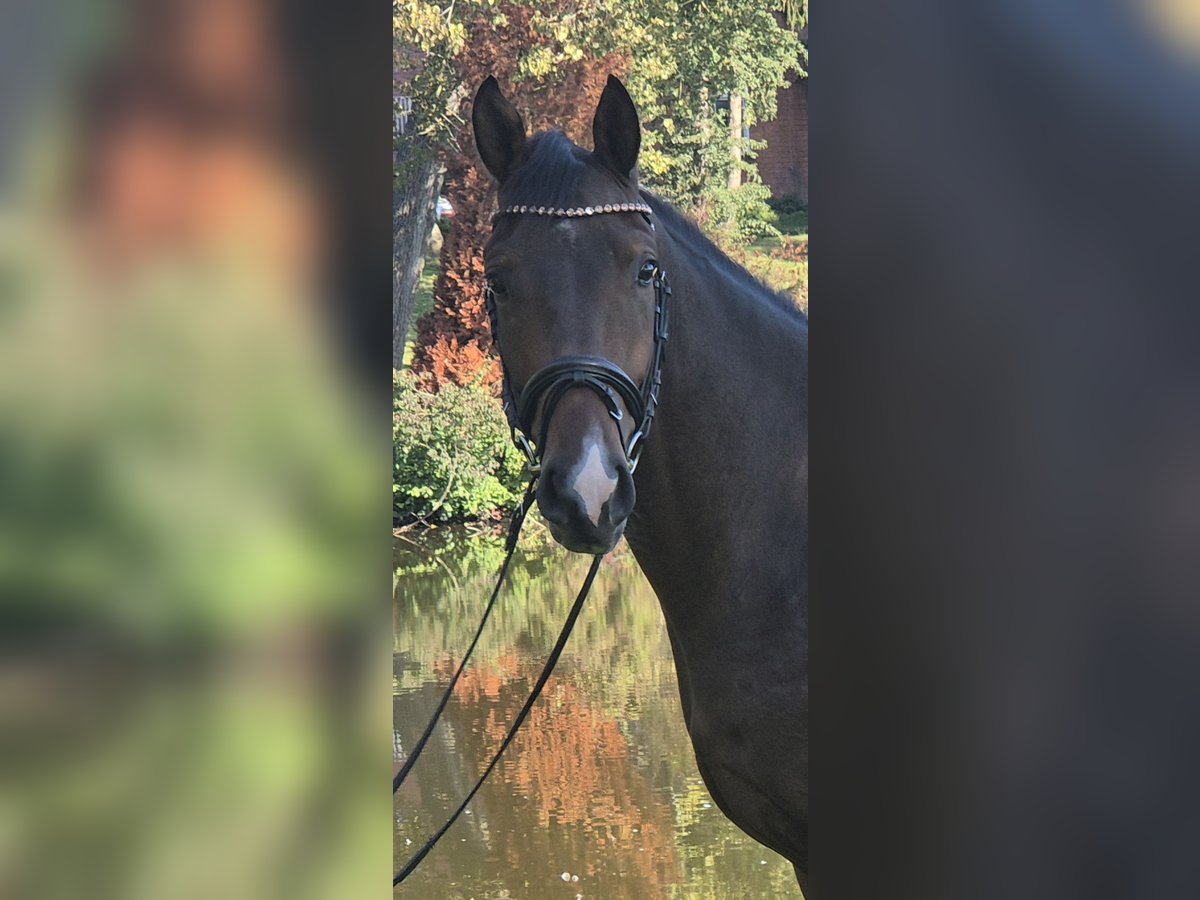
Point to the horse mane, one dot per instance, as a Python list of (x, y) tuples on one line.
[(688, 234)]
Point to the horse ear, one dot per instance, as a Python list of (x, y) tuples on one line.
[(499, 131), (616, 133)]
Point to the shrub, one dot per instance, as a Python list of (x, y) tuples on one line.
[(451, 453), (794, 222), (787, 205), (737, 216), (782, 265), (793, 249)]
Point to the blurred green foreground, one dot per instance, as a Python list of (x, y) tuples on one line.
[(187, 593)]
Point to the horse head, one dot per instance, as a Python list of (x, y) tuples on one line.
[(576, 299)]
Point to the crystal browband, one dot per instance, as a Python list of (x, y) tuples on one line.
[(573, 212)]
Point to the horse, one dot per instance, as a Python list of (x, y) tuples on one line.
[(713, 504)]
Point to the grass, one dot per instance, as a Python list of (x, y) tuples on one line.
[(767, 260), (781, 274), (774, 260), (423, 302)]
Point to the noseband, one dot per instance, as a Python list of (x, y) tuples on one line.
[(548, 385)]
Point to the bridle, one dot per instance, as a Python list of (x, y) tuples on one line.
[(547, 386)]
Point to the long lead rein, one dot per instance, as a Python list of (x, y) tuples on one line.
[(514, 532), (512, 730)]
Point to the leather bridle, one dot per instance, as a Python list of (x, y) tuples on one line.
[(546, 387)]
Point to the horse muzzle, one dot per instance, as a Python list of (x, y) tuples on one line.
[(588, 503)]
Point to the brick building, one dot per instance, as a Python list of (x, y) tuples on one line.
[(783, 164)]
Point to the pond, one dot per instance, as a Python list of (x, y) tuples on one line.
[(598, 796)]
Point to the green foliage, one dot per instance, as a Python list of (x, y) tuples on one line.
[(708, 50), (791, 214), (788, 203), (737, 216), (701, 51), (424, 300), (781, 263), (427, 37), (451, 453), (795, 12), (793, 223)]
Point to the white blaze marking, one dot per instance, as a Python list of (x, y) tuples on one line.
[(593, 484), (567, 228)]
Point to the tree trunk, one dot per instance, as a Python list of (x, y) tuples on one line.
[(735, 135), (414, 205)]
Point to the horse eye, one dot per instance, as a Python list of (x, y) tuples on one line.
[(646, 273), (497, 284)]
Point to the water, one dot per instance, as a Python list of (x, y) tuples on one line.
[(598, 796)]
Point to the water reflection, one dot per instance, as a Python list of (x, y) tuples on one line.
[(598, 796)]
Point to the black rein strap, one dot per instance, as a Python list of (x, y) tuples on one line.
[(510, 546), (551, 662)]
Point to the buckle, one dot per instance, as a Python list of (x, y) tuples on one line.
[(633, 450), (522, 443)]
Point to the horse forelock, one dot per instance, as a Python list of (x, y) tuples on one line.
[(552, 174)]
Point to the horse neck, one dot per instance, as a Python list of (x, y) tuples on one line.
[(724, 472)]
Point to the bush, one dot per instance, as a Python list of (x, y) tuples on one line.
[(735, 217), (782, 265), (791, 215), (452, 457), (787, 205), (794, 222)]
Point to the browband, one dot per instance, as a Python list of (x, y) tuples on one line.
[(574, 211)]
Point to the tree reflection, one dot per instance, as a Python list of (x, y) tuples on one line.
[(600, 784)]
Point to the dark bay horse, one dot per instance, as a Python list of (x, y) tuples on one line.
[(716, 507)]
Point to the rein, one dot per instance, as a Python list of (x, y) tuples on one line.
[(543, 391), (510, 547), (551, 661)]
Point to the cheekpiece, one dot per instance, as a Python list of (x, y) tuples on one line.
[(574, 211)]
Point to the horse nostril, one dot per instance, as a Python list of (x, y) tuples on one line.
[(620, 505), (552, 499), (586, 497)]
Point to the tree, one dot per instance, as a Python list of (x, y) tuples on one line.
[(677, 57), (714, 49), (423, 39), (561, 85), (414, 197), (795, 13)]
